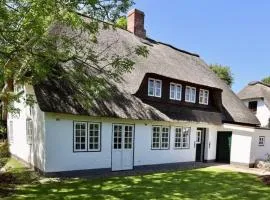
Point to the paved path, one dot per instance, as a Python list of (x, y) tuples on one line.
[(256, 171)]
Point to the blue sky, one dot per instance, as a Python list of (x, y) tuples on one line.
[(232, 33)]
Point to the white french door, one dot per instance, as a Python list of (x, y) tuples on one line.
[(122, 147)]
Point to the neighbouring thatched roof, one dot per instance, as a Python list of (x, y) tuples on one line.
[(255, 90), (164, 60)]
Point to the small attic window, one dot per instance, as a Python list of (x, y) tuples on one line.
[(154, 87), (252, 105), (190, 94)]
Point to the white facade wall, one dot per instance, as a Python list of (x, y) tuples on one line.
[(241, 147), (144, 155), (245, 147), (59, 147), (241, 143), (30, 153), (260, 152), (52, 148), (59, 144), (263, 112)]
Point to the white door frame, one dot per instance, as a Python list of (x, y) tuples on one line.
[(121, 151)]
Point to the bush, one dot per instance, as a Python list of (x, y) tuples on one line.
[(266, 179), (4, 154), (4, 150)]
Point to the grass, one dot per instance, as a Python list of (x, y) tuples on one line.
[(204, 184)]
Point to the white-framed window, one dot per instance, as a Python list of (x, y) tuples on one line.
[(165, 138), (80, 136), (93, 136), (128, 133), (87, 136), (154, 87), (122, 136), (204, 96), (261, 140), (199, 137), (160, 137), (156, 137), (178, 138), (10, 132), (29, 131), (175, 91), (186, 135), (190, 94), (182, 137), (117, 132)]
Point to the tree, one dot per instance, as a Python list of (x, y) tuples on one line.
[(266, 80), (122, 23), (223, 72), (30, 49)]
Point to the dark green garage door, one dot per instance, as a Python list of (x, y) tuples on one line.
[(224, 146)]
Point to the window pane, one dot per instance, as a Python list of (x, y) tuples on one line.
[(177, 142), (206, 97), (187, 94), (156, 137), (80, 136), (117, 136), (165, 138), (83, 139), (157, 88), (82, 146), (29, 131), (83, 131), (178, 92), (94, 137), (185, 137), (83, 126), (151, 87), (193, 95), (201, 96), (172, 91), (128, 137)]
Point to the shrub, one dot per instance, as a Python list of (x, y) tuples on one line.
[(265, 179), (4, 150), (4, 154)]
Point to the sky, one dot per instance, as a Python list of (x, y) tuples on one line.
[(232, 33)]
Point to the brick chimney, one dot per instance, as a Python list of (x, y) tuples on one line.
[(135, 23)]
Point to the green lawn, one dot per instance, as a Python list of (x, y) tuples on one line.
[(207, 183)]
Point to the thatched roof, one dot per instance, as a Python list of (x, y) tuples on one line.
[(164, 60), (256, 90)]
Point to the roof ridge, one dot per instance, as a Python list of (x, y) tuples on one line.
[(177, 49), (258, 82), (147, 38)]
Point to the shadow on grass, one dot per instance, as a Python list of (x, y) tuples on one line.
[(12, 178), (191, 184)]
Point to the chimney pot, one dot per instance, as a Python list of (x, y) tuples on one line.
[(135, 23)]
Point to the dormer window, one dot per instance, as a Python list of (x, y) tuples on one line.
[(154, 87), (252, 105), (175, 91), (204, 97), (190, 94)]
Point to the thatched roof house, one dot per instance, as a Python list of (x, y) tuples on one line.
[(256, 90)]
